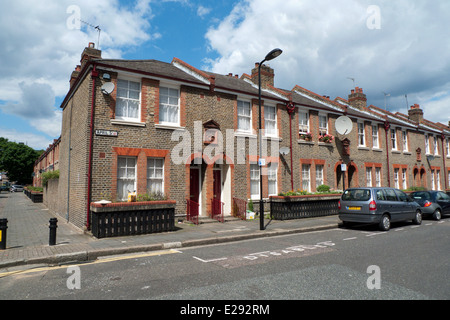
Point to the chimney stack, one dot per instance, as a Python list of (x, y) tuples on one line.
[(267, 75), (75, 75), (90, 53), (415, 113), (357, 98)]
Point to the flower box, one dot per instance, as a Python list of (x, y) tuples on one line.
[(132, 218)]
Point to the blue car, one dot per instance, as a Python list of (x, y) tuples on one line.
[(432, 203)]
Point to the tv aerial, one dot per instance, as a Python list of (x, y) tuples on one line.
[(96, 28), (344, 125)]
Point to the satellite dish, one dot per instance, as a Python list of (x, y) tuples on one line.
[(107, 88), (284, 151), (344, 125)]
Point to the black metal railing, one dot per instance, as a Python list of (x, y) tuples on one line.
[(217, 210), (132, 222), (240, 208), (192, 209), (298, 208)]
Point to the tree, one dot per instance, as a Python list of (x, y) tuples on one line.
[(18, 160)]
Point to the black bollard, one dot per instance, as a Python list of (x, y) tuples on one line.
[(3, 227), (52, 226)]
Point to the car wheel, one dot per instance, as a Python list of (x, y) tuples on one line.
[(385, 223), (418, 217), (437, 215)]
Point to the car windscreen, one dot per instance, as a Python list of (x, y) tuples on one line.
[(356, 195), (421, 196)]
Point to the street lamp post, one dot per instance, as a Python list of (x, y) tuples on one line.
[(271, 55)]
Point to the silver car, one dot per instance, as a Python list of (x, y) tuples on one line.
[(16, 188), (432, 203), (378, 206)]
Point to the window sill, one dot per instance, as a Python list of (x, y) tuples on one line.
[(377, 149), (301, 141), (396, 151), (128, 123), (326, 144), (166, 126), (245, 134), (363, 148), (273, 138)]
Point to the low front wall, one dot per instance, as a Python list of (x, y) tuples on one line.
[(34, 196), (132, 218), (299, 207)]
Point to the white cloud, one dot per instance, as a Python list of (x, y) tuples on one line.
[(203, 11), (326, 41), (37, 142), (41, 44)]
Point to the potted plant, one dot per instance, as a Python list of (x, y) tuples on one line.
[(306, 136), (327, 138)]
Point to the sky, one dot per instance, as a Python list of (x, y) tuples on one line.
[(397, 51)]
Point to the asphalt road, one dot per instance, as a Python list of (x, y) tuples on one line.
[(409, 262)]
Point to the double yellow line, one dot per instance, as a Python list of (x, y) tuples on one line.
[(100, 260)]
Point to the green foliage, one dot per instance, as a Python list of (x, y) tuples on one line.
[(323, 188), (49, 175), (36, 189), (18, 160), (158, 196), (250, 205), (416, 189)]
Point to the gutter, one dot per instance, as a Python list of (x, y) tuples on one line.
[(443, 161), (94, 75), (386, 129)]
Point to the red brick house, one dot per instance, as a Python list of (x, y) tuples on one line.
[(190, 134)]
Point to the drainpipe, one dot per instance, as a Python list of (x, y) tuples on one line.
[(94, 75), (444, 175), (386, 128), (290, 109)]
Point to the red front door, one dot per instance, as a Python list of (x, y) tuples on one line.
[(217, 185), (194, 193)]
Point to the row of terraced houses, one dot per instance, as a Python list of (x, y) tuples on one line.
[(143, 136)]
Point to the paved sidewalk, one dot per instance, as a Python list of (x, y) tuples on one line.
[(28, 235)]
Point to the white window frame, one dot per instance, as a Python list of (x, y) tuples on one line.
[(254, 180), (249, 117), (272, 171), (427, 144), (404, 181), (396, 177), (128, 99), (378, 177), (369, 177), (125, 178), (438, 179), (306, 177), (152, 174), (269, 132), (361, 135), (375, 141), (162, 105), (303, 123), (323, 130), (436, 146), (448, 177), (405, 140), (319, 175), (394, 139), (433, 181), (448, 147)]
